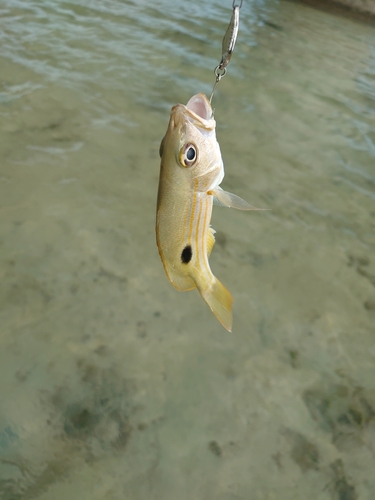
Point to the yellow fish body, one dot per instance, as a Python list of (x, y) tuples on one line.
[(190, 173)]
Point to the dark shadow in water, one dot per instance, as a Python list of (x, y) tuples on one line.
[(336, 9)]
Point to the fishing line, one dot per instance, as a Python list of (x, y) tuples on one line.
[(228, 44)]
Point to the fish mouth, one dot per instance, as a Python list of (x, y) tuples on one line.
[(200, 106), (197, 111)]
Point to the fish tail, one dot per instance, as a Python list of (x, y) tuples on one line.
[(219, 301)]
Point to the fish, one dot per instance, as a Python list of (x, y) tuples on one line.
[(191, 171)]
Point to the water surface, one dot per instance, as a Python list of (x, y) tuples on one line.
[(115, 386)]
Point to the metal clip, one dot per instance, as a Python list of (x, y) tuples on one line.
[(228, 44)]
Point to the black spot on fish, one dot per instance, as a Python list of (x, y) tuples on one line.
[(186, 254)]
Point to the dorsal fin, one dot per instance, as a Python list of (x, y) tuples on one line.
[(210, 240)]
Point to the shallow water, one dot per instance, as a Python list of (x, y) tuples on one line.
[(115, 386)]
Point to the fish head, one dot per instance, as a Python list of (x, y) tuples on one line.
[(190, 143)]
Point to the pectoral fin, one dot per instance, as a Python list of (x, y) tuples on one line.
[(224, 199)]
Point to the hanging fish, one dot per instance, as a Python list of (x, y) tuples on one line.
[(190, 173)]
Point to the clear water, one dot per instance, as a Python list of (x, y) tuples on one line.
[(115, 386)]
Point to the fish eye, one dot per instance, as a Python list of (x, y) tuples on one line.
[(188, 155)]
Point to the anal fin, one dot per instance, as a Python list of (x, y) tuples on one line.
[(181, 282)]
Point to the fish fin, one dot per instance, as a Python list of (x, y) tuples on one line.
[(220, 302), (210, 240), (217, 202), (224, 199), (180, 282)]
